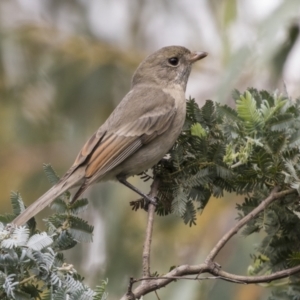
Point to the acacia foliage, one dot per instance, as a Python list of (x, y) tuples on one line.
[(32, 264), (253, 147), (247, 150)]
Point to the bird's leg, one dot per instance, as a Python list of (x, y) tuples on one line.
[(123, 180)]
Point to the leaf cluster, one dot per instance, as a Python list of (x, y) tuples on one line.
[(195, 169), (32, 265), (253, 147), (248, 150)]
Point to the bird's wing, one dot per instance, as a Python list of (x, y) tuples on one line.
[(113, 143), (117, 146)]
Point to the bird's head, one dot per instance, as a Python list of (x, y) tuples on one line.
[(167, 67)]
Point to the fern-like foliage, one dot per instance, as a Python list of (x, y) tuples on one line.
[(250, 148), (31, 264), (100, 293), (247, 150), (195, 170)]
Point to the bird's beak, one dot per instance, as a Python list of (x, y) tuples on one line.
[(197, 55)]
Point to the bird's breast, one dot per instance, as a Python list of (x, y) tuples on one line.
[(177, 93)]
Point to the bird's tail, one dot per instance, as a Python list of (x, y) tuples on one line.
[(57, 190)]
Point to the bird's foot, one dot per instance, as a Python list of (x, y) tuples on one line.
[(149, 199)]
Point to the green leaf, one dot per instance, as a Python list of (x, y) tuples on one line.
[(247, 111), (228, 112), (209, 112), (179, 202), (100, 293), (7, 218), (294, 140), (198, 130), (294, 259), (78, 206), (64, 241), (59, 206), (236, 94), (189, 216), (17, 203), (80, 230), (51, 174), (281, 122), (193, 113)]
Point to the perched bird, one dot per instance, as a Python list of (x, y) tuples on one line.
[(137, 134)]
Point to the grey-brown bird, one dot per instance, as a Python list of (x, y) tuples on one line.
[(138, 133)]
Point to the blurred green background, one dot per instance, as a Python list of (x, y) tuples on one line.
[(64, 66)]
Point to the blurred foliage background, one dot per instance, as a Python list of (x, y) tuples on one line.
[(64, 66)]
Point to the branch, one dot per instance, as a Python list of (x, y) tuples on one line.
[(178, 273), (257, 279), (155, 283), (273, 196), (149, 230)]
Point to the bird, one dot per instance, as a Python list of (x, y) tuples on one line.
[(138, 133)]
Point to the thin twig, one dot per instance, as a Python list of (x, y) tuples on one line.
[(156, 295), (234, 230), (149, 230), (129, 294), (258, 279), (177, 278)]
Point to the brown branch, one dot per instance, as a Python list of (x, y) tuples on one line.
[(149, 230), (129, 294), (219, 274), (179, 273), (178, 278), (234, 230), (258, 279), (155, 283), (152, 285)]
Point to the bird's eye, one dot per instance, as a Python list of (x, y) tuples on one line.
[(173, 61)]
